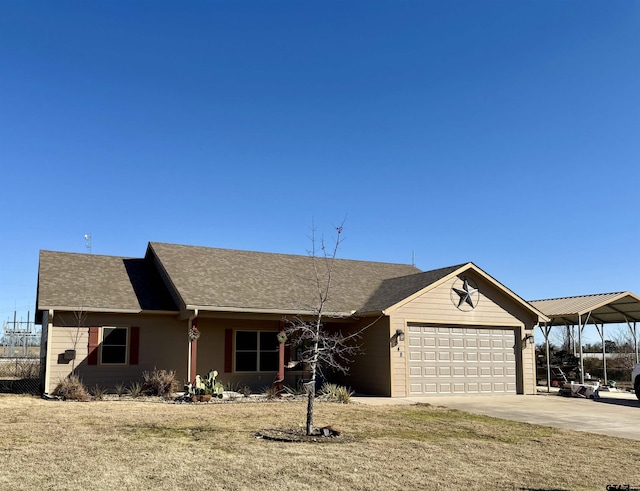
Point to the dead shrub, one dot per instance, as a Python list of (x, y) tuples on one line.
[(71, 388), (160, 383)]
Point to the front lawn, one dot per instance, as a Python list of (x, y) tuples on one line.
[(155, 445)]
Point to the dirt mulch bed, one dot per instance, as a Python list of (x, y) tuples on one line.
[(328, 434)]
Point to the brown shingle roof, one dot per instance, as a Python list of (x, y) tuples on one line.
[(94, 282), (394, 290), (224, 278), (220, 279)]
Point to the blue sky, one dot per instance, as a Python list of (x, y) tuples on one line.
[(499, 132)]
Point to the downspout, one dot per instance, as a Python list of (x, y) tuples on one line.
[(192, 349)]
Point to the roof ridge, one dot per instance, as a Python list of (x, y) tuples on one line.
[(282, 254), (89, 254)]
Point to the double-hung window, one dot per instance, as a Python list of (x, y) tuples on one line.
[(257, 351), (114, 346)]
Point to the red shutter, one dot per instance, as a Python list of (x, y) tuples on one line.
[(228, 350), (134, 347), (94, 342)]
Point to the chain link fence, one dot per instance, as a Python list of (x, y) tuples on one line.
[(20, 375)]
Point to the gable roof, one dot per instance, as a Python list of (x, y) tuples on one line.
[(607, 308), (178, 278), (88, 282), (398, 291), (224, 279)]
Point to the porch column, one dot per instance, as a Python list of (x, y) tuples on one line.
[(193, 335), (281, 357), (193, 354)]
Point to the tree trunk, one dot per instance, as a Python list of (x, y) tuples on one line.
[(311, 397), (311, 388)]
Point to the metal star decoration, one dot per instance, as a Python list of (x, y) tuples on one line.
[(466, 293)]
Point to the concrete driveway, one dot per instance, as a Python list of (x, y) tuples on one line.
[(614, 414)]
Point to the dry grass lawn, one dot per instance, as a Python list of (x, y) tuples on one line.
[(130, 445)]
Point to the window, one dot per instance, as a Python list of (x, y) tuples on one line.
[(257, 351), (114, 346)]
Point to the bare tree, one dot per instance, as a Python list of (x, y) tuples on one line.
[(80, 317), (76, 328), (320, 347)]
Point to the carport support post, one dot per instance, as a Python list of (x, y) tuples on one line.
[(580, 351), (546, 330), (580, 327), (634, 333), (604, 351)]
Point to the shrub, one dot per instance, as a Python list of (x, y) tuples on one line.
[(245, 390), (271, 392), (239, 387), (121, 389), (161, 383), (135, 389), (336, 393), (71, 388), (98, 392)]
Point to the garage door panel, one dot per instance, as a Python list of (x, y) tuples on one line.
[(415, 355), (456, 360)]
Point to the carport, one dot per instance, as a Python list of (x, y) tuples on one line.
[(598, 310)]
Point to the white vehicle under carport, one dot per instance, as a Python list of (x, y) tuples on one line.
[(635, 379)]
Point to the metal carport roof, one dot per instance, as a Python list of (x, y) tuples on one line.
[(605, 308), (598, 309)]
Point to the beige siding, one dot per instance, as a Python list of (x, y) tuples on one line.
[(528, 365), (437, 306), (163, 345), (398, 358), (369, 370), (494, 308)]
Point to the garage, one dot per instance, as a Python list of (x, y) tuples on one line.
[(461, 360)]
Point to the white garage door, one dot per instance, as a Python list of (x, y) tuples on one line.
[(461, 360)]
